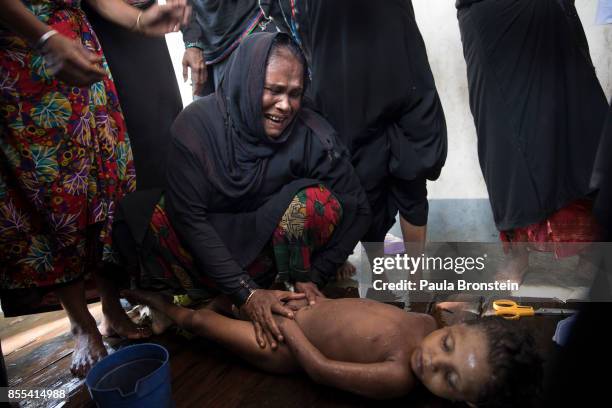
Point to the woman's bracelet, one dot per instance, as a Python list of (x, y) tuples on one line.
[(194, 44), (246, 302), (44, 38)]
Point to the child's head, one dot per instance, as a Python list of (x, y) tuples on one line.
[(488, 362)]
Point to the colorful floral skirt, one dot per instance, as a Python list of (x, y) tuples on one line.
[(65, 160), (307, 225), (565, 233)]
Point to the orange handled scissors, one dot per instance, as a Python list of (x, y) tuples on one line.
[(509, 309)]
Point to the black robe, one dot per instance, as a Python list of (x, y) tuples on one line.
[(229, 185), (148, 94), (372, 80), (602, 179), (218, 25), (536, 102)]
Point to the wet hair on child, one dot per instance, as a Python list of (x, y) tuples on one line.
[(516, 366)]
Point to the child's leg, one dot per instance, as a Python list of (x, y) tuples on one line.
[(236, 335)]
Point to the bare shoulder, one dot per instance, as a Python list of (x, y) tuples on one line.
[(418, 322), (405, 331), (429, 322)]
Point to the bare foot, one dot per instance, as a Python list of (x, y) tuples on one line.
[(515, 265), (156, 302), (513, 271), (586, 270), (115, 322), (345, 271), (159, 321), (88, 350)]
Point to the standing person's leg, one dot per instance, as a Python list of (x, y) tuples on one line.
[(413, 233), (3, 376), (566, 232), (528, 180), (516, 261), (116, 177), (88, 346), (114, 320), (236, 335), (371, 163), (383, 218), (59, 178), (410, 198), (415, 237)]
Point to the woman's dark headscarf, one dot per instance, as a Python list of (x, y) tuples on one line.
[(240, 155)]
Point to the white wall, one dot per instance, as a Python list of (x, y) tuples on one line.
[(176, 48), (461, 177), (600, 43)]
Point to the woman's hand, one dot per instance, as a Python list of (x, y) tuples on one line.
[(193, 60), (310, 290), (260, 307), (345, 271), (69, 61), (161, 19)]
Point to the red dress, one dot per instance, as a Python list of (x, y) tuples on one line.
[(566, 232), (65, 160)]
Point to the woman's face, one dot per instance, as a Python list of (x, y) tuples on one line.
[(282, 94), (453, 362)]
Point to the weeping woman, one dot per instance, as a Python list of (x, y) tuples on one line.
[(258, 190)]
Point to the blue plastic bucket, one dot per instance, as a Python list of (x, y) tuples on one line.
[(134, 376)]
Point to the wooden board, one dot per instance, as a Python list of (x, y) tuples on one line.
[(203, 374)]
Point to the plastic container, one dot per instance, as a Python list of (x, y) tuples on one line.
[(134, 376), (564, 329)]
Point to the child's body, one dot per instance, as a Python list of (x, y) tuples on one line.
[(357, 345)]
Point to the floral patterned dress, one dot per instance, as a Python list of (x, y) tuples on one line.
[(306, 226), (65, 159)]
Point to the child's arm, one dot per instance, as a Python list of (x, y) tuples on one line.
[(386, 379)]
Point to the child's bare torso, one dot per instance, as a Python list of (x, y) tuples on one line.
[(361, 330)]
